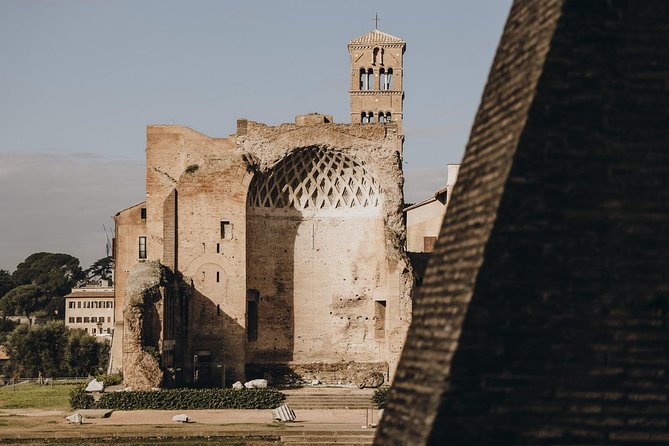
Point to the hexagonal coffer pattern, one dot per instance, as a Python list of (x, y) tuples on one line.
[(315, 178)]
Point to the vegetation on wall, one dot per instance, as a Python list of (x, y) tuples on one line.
[(380, 397)]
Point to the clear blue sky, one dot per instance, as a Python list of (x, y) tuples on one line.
[(80, 80)]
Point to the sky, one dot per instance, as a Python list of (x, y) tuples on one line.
[(81, 79)]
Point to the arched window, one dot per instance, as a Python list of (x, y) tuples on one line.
[(382, 118), (389, 117), (363, 118), (363, 79), (370, 117), (382, 79), (370, 79), (389, 79), (375, 56)]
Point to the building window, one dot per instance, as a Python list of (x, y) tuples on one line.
[(108, 318), (218, 248), (87, 320), (70, 320), (78, 304), (389, 79), (93, 331), (142, 213), (218, 276), (142, 247), (71, 304), (79, 320), (226, 230), (380, 319), (252, 297), (94, 319), (370, 79), (382, 117), (428, 243)]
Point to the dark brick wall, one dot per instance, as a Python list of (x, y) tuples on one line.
[(542, 318)]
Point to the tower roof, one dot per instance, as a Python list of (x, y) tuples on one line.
[(375, 36)]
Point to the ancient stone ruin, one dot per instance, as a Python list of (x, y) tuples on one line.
[(290, 238)]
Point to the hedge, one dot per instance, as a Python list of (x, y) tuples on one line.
[(185, 399), (79, 399)]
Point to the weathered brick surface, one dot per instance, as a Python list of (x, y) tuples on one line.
[(539, 321)]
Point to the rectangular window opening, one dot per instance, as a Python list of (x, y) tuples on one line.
[(428, 243), (142, 247), (142, 213), (218, 248), (218, 276), (252, 297), (226, 229), (380, 319)]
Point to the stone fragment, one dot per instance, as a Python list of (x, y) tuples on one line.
[(256, 384), (181, 418), (373, 380), (95, 386), (283, 413), (75, 418)]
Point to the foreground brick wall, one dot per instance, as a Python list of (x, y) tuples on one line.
[(542, 318)]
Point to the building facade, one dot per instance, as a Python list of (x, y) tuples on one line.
[(424, 218), (91, 308), (286, 242)]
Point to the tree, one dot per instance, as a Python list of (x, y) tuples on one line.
[(56, 274), (84, 355), (37, 349), (54, 350), (6, 282), (24, 299), (101, 269)]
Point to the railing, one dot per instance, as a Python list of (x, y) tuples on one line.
[(14, 382)]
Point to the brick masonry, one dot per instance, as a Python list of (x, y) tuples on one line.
[(542, 319)]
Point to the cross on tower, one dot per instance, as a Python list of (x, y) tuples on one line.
[(376, 20)]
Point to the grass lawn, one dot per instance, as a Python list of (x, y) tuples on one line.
[(27, 396)]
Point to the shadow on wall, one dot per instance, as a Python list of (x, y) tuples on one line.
[(215, 354), (270, 277)]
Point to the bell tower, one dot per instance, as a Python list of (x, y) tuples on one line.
[(376, 93)]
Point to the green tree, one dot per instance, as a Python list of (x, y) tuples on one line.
[(56, 274), (84, 355), (25, 300), (54, 350), (37, 349), (6, 282), (6, 327), (101, 269)]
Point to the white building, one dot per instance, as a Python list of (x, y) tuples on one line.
[(91, 308), (424, 219)]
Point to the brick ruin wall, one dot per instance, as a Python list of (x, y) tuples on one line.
[(543, 315), (211, 178)]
